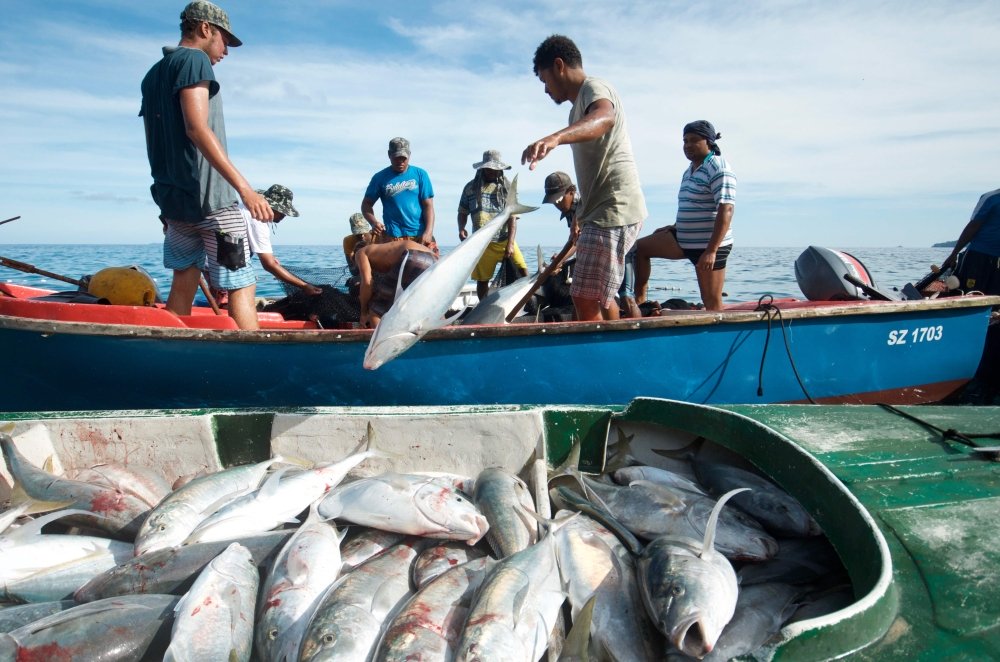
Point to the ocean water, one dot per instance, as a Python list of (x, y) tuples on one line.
[(751, 273)]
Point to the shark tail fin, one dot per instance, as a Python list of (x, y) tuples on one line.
[(513, 204)]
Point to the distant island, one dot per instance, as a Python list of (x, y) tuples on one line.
[(945, 244)]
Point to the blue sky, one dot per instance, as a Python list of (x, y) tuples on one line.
[(848, 124)]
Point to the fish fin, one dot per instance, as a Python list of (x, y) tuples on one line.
[(399, 280), (713, 519), (539, 258), (515, 207), (34, 527), (295, 460), (49, 465), (623, 450), (7, 428), (570, 464), (577, 646), (684, 452), (270, 486)]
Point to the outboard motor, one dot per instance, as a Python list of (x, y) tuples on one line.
[(820, 274)]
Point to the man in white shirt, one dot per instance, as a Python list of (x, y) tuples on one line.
[(259, 235)]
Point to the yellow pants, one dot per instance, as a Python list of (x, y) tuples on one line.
[(491, 258)]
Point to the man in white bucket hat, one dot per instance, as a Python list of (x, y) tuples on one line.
[(483, 198)]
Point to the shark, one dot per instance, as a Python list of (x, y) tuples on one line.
[(422, 306)]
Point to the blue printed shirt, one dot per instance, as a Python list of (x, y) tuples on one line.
[(401, 194)]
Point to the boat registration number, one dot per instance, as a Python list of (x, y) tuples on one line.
[(919, 334)]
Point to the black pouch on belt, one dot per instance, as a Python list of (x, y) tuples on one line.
[(230, 252)]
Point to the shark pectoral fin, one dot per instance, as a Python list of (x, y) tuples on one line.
[(399, 280)]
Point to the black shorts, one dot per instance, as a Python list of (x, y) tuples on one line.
[(721, 256), (978, 272)]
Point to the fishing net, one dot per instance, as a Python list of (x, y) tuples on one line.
[(333, 308)]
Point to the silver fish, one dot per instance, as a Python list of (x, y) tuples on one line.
[(504, 499), (516, 607), (173, 569), (761, 611), (113, 511), (277, 502), (651, 511), (140, 624), (429, 625), (594, 564), (143, 483), (439, 559), (304, 568), (421, 307), (779, 512), (17, 616), (406, 503), (689, 588), (348, 621), (214, 619), (657, 476), (363, 543), (184, 509)]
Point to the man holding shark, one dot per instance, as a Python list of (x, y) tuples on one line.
[(612, 206)]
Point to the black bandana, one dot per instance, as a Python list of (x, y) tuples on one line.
[(704, 129)]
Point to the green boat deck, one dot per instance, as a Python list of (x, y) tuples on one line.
[(938, 505)]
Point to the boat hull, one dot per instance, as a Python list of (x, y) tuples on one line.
[(889, 352)]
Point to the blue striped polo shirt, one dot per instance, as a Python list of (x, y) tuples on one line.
[(701, 193)]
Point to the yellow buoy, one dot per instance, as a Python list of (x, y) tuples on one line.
[(123, 286)]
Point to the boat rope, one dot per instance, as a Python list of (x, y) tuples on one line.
[(967, 438), (770, 312)]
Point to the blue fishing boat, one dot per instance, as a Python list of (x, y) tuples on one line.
[(71, 356)]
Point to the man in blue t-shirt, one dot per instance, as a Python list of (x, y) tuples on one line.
[(978, 269), (407, 199), (195, 185)]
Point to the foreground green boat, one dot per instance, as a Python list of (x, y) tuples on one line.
[(912, 513)]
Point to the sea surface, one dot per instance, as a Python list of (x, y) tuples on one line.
[(751, 273)]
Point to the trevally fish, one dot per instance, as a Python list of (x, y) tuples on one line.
[(214, 619), (505, 501), (593, 563), (181, 511), (428, 626), (407, 503), (17, 616), (141, 482), (439, 559), (304, 568), (114, 511), (761, 611), (348, 621), (134, 627), (278, 501), (517, 606), (173, 569), (778, 511), (362, 543), (689, 588), (421, 307)]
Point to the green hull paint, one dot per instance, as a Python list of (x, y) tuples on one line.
[(913, 517)]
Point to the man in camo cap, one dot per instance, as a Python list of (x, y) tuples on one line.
[(195, 185), (259, 233)]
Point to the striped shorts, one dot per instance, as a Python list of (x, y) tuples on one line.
[(600, 261), (195, 245)]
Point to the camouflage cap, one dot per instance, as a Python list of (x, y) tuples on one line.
[(359, 224), (399, 147), (202, 10), (280, 199)]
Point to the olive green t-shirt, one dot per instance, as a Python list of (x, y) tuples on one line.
[(606, 174)]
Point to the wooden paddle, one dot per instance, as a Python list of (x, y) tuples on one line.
[(208, 295), (32, 269), (540, 280)]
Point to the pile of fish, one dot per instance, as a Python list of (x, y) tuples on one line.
[(276, 561)]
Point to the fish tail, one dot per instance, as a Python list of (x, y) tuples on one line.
[(513, 204)]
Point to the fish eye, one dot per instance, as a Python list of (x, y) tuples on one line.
[(329, 638), (272, 634), (163, 527), (677, 590)]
